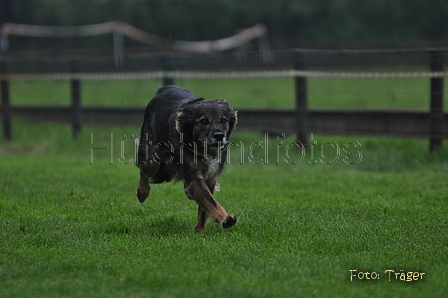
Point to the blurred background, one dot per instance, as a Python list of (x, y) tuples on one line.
[(334, 67), (303, 23)]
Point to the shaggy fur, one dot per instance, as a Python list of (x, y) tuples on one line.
[(185, 138)]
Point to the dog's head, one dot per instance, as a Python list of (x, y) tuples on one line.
[(208, 122)]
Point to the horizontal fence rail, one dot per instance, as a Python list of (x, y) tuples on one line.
[(299, 65), (227, 74), (407, 124)]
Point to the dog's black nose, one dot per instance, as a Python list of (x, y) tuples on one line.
[(219, 136)]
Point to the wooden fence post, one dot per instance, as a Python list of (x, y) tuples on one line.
[(167, 65), (75, 90), (436, 105), (301, 106), (6, 110)]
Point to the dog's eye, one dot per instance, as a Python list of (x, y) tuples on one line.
[(223, 121), (204, 121)]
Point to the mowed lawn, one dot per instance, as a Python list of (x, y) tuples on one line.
[(71, 226)]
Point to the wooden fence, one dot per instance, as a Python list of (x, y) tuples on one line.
[(301, 64)]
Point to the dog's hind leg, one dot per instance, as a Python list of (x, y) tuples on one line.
[(146, 163), (146, 172), (202, 220), (143, 187)]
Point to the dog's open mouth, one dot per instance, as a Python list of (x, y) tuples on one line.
[(216, 145)]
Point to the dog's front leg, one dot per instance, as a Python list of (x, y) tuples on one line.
[(202, 215), (198, 191)]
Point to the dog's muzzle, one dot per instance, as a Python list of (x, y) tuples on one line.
[(218, 140), (219, 136)]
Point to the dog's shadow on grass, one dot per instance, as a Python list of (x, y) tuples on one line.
[(168, 227), (172, 226), (142, 223), (160, 228)]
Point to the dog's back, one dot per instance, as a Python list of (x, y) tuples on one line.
[(157, 130), (159, 111), (167, 99)]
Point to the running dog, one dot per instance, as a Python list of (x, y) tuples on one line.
[(185, 138)]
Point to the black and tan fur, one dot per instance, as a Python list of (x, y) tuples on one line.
[(185, 138)]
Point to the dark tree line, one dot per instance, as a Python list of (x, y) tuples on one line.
[(288, 21)]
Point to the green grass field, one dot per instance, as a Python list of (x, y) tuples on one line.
[(71, 225)]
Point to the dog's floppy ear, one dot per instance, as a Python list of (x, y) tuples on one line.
[(230, 113), (186, 116), (233, 119), (183, 121)]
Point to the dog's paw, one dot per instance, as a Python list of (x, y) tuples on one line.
[(142, 195), (199, 229), (229, 221)]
